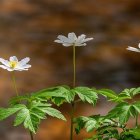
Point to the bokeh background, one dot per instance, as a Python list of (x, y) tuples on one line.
[(29, 28)]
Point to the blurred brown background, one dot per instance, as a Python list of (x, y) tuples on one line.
[(29, 28)]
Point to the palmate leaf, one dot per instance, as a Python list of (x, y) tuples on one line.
[(136, 106), (57, 94), (112, 96), (108, 93), (86, 94), (135, 132), (127, 94), (130, 134), (104, 129), (47, 109), (17, 99), (108, 132), (30, 115), (4, 113), (55, 113), (61, 94), (130, 92), (111, 133), (58, 100), (123, 111), (89, 123), (29, 119), (122, 96), (80, 123)]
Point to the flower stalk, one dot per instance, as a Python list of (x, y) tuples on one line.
[(136, 121), (74, 83), (14, 83), (31, 136), (74, 66), (16, 90), (72, 117)]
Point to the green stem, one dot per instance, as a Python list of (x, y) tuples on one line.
[(14, 83), (74, 83), (137, 120), (72, 117), (74, 67), (15, 87), (31, 135)]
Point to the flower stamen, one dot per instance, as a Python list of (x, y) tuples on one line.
[(13, 64)]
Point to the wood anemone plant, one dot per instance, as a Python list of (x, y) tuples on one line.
[(74, 41), (30, 109), (114, 124)]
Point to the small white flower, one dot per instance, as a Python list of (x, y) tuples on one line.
[(14, 65), (134, 49), (73, 40)]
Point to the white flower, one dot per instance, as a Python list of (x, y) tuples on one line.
[(134, 49), (13, 64), (73, 40)]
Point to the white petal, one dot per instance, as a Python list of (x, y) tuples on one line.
[(20, 69), (13, 58), (27, 66), (87, 39), (23, 67), (24, 61), (67, 44), (81, 44), (63, 38), (4, 67), (9, 69), (80, 38), (133, 49), (139, 45), (58, 41), (72, 37), (4, 62)]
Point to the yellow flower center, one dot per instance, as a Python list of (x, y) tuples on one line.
[(13, 64)]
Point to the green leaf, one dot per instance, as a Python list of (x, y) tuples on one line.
[(21, 116), (131, 134), (90, 125), (31, 121), (122, 98), (56, 92), (80, 123), (58, 100), (131, 92), (86, 94), (45, 108), (136, 105), (104, 129), (4, 113), (108, 132), (108, 93), (18, 99), (124, 95), (135, 132), (54, 113), (123, 111), (31, 114)]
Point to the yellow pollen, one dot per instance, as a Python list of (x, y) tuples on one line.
[(13, 64)]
